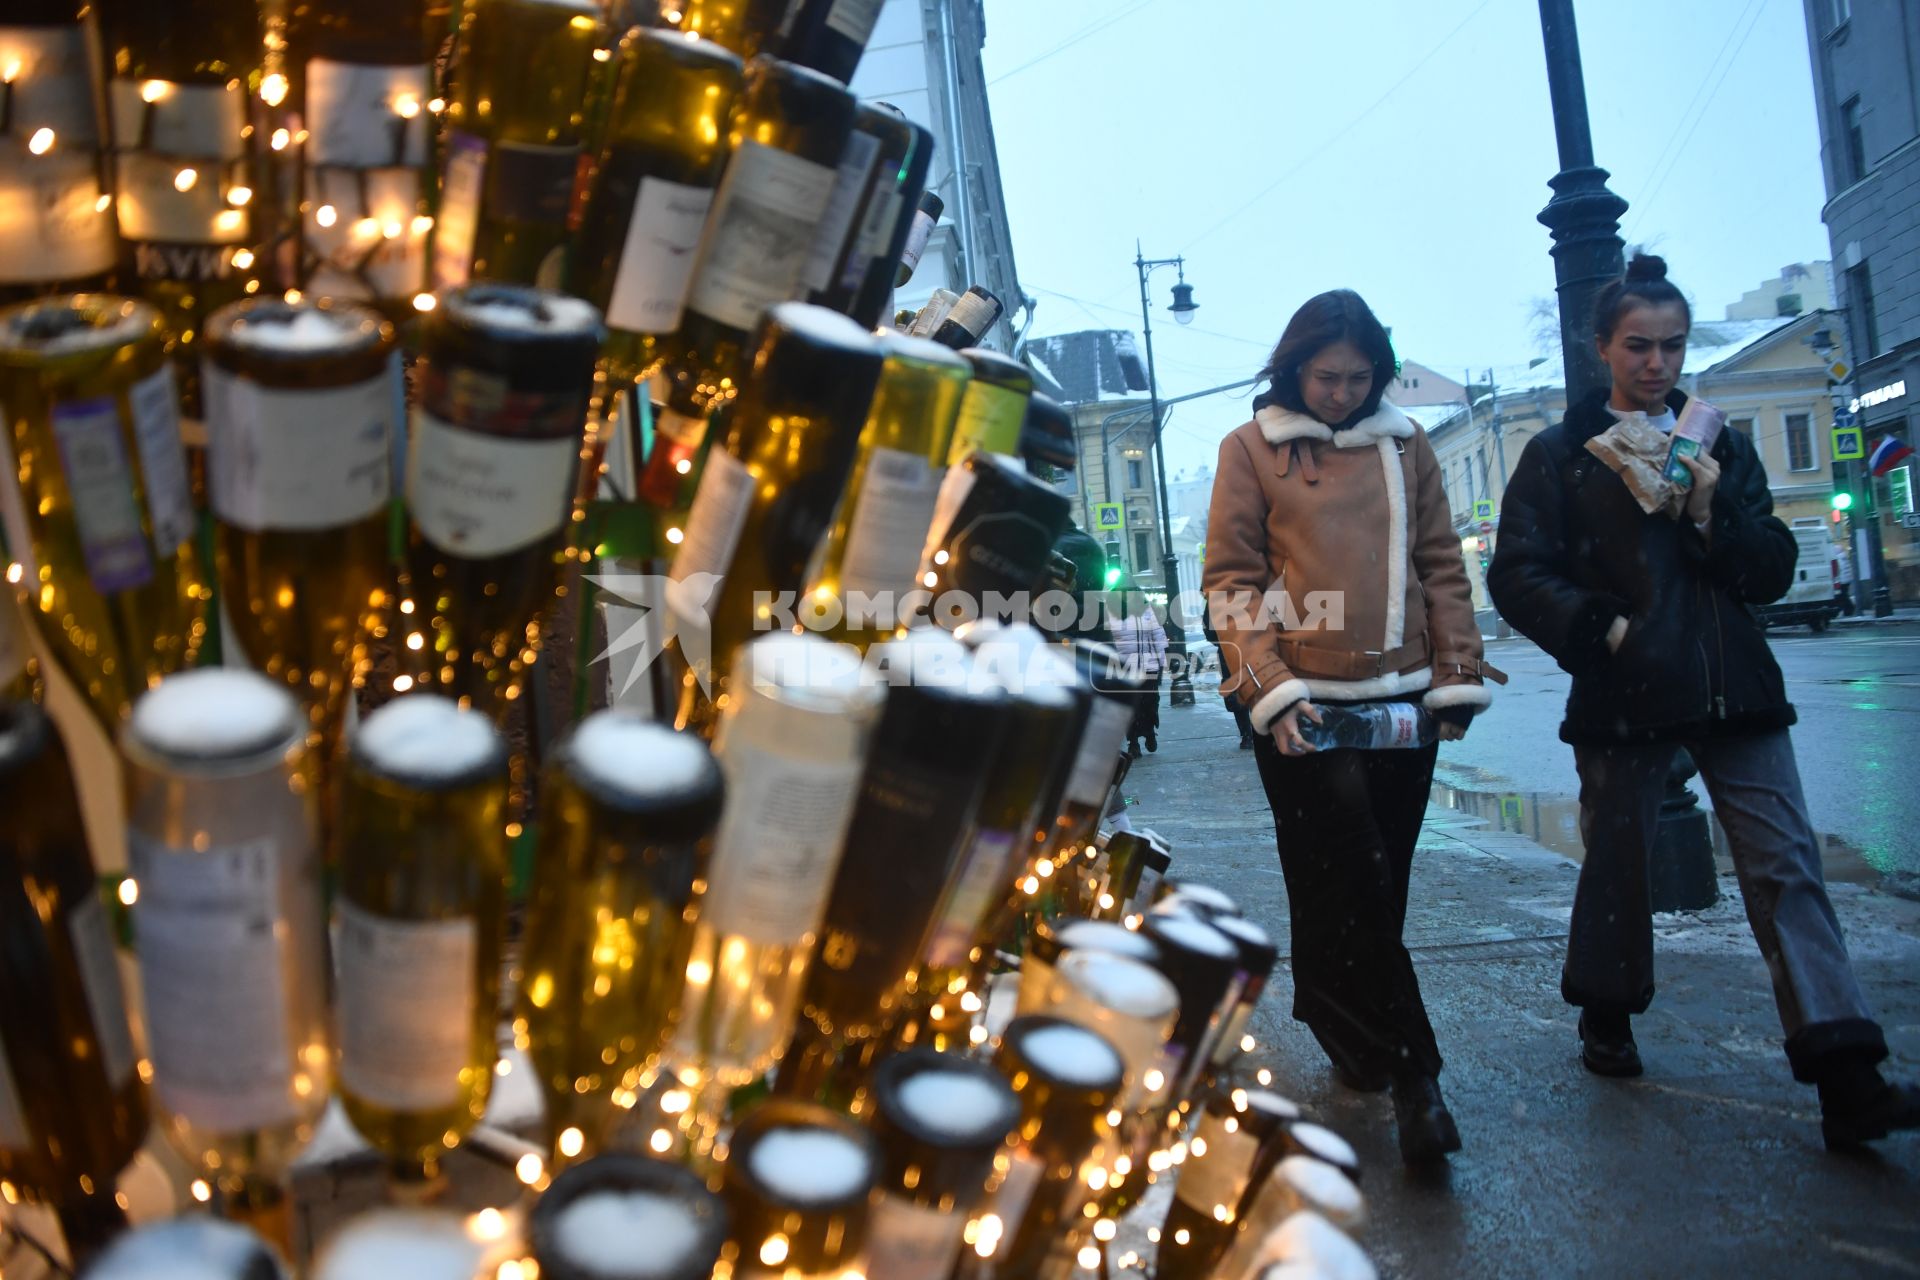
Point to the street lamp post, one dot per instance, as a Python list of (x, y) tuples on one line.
[(1180, 689), (1584, 217)]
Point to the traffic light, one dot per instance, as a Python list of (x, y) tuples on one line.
[(1116, 570), (1842, 502)]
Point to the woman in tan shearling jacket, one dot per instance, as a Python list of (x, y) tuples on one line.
[(1334, 574)]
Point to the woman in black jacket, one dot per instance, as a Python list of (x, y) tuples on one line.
[(1653, 615)]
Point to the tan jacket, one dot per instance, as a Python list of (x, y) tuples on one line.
[(1333, 570)]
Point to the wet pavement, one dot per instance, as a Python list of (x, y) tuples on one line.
[(1709, 1165)]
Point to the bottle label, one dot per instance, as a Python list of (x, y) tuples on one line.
[(1015, 1196), (208, 931), (53, 228), (50, 74), (172, 184), (854, 19), (849, 184), (779, 842), (100, 483), (476, 495), (719, 514), (1099, 752), (883, 210), (363, 234), (954, 489), (367, 117), (761, 230), (981, 878), (405, 999), (1399, 726), (458, 224), (637, 628), (893, 508), (13, 1116), (908, 1242), (94, 957), (311, 459), (917, 237), (1229, 1043), (163, 460), (656, 263), (990, 420), (1220, 1176)]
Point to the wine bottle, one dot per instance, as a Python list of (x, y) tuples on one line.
[(799, 1179), (932, 754), (939, 1120), (625, 1217), (926, 217), (870, 555), (183, 170), (1158, 859), (426, 1244), (969, 321), (95, 501), (666, 145), (995, 408), (513, 141), (1258, 957), (627, 806), (1297, 1184), (505, 375), (19, 673), (301, 402), (993, 528), (1044, 721), (770, 487), (932, 312), (1232, 1153), (853, 178), (831, 35), (787, 133), (421, 893), (1190, 898), (1204, 966), (1307, 1243), (201, 1247), (365, 87), (72, 1109), (792, 742), (57, 236), (1067, 1078), (228, 926), (1104, 673), (1125, 853), (746, 27), (1051, 940), (1047, 440), (864, 283)]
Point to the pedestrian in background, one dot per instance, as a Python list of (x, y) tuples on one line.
[(1653, 616), (1333, 495), (1843, 580), (1142, 641)]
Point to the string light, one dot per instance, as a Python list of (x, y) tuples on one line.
[(273, 89), (153, 90), (185, 179), (424, 302), (280, 139), (238, 196), (41, 142)]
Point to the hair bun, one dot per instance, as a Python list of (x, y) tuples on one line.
[(1647, 267)]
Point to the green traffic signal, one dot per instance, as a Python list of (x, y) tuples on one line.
[(1843, 501), (1114, 574)]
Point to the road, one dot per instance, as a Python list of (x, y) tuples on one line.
[(1857, 690)]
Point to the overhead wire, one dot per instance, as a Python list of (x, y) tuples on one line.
[(1085, 33)]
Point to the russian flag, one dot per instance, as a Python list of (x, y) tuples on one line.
[(1888, 454)]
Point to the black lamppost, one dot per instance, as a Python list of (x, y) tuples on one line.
[(1180, 690), (1584, 217)]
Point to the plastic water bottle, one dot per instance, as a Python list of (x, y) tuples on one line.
[(1373, 726)]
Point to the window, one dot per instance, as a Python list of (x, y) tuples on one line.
[(1853, 139), (1861, 312), (1743, 425), (1133, 474), (1799, 442), (1142, 553)]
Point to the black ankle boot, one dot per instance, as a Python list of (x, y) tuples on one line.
[(1606, 1044), (1427, 1131), (1858, 1105)]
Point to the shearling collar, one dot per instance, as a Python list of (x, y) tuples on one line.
[(1280, 425)]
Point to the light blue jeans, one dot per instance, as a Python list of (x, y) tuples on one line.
[(1755, 786)]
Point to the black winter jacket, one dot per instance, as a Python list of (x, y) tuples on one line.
[(1575, 551)]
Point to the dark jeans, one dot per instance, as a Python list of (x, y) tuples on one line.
[(1755, 785), (1241, 719), (1346, 823), (1146, 711)]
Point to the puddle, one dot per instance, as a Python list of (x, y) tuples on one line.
[(1553, 822)]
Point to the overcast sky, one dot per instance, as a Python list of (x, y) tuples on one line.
[(1397, 147)]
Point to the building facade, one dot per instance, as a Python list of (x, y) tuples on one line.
[(924, 58), (1865, 54)]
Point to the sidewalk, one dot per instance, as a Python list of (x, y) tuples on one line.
[(1709, 1165)]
